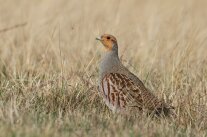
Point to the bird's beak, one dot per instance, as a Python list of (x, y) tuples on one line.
[(98, 38)]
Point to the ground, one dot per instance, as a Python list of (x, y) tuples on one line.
[(49, 65)]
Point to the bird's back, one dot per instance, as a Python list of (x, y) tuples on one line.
[(131, 92)]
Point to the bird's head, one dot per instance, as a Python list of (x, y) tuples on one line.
[(108, 41)]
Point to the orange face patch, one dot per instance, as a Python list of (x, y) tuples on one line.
[(108, 41)]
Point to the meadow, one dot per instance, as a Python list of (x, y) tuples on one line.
[(49, 64)]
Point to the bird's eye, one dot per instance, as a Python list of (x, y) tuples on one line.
[(108, 37)]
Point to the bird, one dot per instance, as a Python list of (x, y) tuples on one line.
[(121, 90)]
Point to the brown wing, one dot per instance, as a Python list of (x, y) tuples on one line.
[(120, 92)]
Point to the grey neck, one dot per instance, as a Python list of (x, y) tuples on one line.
[(110, 61)]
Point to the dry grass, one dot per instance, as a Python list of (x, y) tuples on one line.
[(49, 66)]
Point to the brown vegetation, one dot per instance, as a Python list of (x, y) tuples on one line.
[(49, 65)]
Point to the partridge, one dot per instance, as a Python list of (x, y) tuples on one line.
[(120, 89)]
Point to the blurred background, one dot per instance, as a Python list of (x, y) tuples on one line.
[(49, 65), (147, 31)]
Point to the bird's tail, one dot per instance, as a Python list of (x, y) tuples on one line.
[(165, 111)]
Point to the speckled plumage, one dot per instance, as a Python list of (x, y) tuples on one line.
[(121, 90)]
